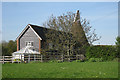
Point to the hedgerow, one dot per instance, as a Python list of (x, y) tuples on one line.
[(105, 52)]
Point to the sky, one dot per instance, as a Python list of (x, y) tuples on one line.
[(103, 16)]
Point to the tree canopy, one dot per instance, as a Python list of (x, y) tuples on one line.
[(8, 47), (118, 46), (74, 31)]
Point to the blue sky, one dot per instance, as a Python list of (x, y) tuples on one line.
[(103, 17)]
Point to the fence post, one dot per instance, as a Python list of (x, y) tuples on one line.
[(29, 58), (21, 57), (68, 57), (41, 58), (3, 59), (62, 57), (34, 57), (77, 57)]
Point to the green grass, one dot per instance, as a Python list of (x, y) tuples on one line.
[(61, 70)]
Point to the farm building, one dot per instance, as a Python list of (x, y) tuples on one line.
[(35, 36)]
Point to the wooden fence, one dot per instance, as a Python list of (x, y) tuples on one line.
[(41, 58), (5, 59)]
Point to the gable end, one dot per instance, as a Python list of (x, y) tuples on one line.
[(28, 26)]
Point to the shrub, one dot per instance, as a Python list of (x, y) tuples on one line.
[(51, 61), (116, 59), (14, 60), (35, 61), (95, 60), (59, 61), (79, 60), (7, 63), (104, 52), (55, 61), (92, 60), (19, 60), (98, 59)]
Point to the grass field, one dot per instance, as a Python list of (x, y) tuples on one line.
[(61, 70)]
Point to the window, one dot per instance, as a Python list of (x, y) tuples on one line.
[(29, 43)]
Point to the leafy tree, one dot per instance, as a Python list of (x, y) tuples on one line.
[(8, 47), (118, 46), (12, 46), (70, 31), (4, 48)]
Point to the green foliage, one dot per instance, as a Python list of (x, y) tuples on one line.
[(79, 60), (67, 36), (95, 60), (35, 62), (92, 60), (59, 61), (118, 46), (8, 47), (8, 63), (17, 60), (11, 46), (55, 61), (104, 52), (51, 61), (116, 59), (14, 60)]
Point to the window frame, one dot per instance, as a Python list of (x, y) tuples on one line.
[(31, 43)]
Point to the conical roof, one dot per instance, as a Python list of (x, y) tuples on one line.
[(78, 31), (77, 16)]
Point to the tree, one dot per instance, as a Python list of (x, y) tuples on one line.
[(118, 46), (12, 46), (8, 47), (4, 48), (70, 30)]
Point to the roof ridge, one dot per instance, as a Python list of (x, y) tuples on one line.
[(35, 25)]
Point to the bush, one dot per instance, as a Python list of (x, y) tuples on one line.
[(79, 61), (59, 61), (92, 60), (116, 59), (106, 52), (51, 61), (14, 60), (55, 61), (95, 60), (35, 61), (7, 63), (19, 60)]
